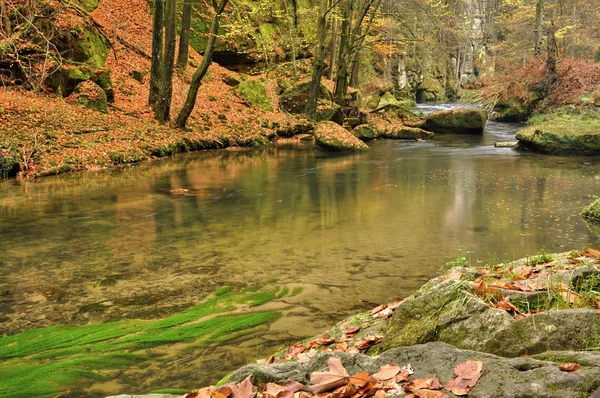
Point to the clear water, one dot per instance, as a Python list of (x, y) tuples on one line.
[(353, 230)]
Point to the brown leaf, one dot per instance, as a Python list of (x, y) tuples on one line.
[(425, 393), (569, 367), (302, 394), (466, 376), (217, 394), (402, 376), (206, 392), (378, 309), (396, 304), (294, 350), (342, 346), (345, 391), (430, 383), (593, 253), (368, 342), (353, 330), (225, 390), (243, 389), (360, 379), (292, 386), (380, 394), (386, 313), (327, 381), (387, 372), (325, 339)]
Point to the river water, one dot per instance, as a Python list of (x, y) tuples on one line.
[(352, 230)]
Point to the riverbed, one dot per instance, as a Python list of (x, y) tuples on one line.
[(348, 231)]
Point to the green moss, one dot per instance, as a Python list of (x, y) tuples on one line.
[(592, 212), (297, 290), (80, 354), (255, 93), (222, 290)]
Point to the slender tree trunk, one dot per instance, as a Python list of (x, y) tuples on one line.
[(158, 20), (163, 107), (333, 48), (354, 71), (190, 100), (341, 79), (292, 28), (4, 21), (319, 60), (539, 34), (552, 47), (184, 38)]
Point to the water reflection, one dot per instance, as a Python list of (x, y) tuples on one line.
[(355, 230)]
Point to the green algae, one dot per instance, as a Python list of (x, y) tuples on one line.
[(45, 361)]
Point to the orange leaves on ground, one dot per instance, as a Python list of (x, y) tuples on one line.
[(466, 376), (327, 381), (569, 367), (368, 342), (231, 390), (387, 372)]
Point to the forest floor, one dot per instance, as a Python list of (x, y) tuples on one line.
[(44, 134)]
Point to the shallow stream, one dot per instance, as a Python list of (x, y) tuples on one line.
[(352, 230)]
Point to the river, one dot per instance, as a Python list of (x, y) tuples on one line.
[(352, 230)]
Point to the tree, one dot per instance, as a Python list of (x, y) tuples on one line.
[(199, 74), (162, 107), (184, 38), (158, 23), (319, 60), (539, 34)]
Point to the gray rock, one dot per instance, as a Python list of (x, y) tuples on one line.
[(459, 120), (501, 377)]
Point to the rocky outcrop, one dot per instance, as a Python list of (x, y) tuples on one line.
[(333, 137), (501, 377), (294, 99), (88, 94), (459, 120), (255, 93)]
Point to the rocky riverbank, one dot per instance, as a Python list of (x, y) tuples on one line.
[(530, 327)]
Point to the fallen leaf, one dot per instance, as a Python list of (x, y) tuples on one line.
[(360, 379), (569, 367), (396, 304), (378, 309), (206, 392), (387, 372), (466, 376), (345, 391), (243, 389), (325, 339), (226, 390), (368, 342), (402, 376), (380, 394), (342, 346), (425, 393), (386, 313), (593, 253), (327, 381), (430, 383), (353, 330)]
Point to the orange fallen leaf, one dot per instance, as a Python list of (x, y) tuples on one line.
[(360, 379), (425, 393), (327, 381), (242, 389), (342, 346), (353, 330), (466, 376), (387, 372), (380, 394), (378, 309), (569, 367), (430, 383)]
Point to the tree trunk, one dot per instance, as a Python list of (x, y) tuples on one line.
[(158, 20), (292, 28), (539, 34), (333, 48), (163, 108), (552, 47), (184, 38), (4, 21), (190, 100), (354, 71), (341, 79), (319, 60)]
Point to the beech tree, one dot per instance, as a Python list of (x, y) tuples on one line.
[(184, 37), (190, 101)]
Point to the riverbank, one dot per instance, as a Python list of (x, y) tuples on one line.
[(528, 327)]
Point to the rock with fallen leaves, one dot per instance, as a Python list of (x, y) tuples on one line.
[(527, 306), (429, 370)]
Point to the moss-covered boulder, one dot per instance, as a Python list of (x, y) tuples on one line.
[(459, 120), (511, 111), (255, 93), (89, 95), (331, 136), (329, 111), (294, 99), (395, 129), (364, 132), (431, 90), (592, 212), (563, 135)]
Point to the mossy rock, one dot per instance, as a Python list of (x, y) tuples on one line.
[(89, 95), (231, 80), (402, 132), (331, 136), (364, 132), (511, 111), (329, 111), (255, 93), (592, 212), (69, 76), (431, 90), (295, 98), (563, 135), (459, 120)]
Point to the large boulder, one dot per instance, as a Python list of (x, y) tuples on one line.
[(448, 309), (255, 93), (459, 120), (510, 111), (88, 94), (563, 135), (364, 132), (333, 137), (295, 98), (501, 377), (431, 90), (395, 129)]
